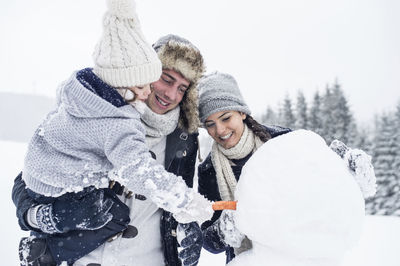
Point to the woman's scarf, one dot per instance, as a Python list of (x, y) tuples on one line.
[(221, 157)]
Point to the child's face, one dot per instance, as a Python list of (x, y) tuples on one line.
[(141, 93)]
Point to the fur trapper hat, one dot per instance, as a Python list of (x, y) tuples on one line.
[(180, 55)]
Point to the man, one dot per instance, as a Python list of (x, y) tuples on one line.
[(171, 122)]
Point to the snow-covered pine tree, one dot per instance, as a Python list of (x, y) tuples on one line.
[(337, 119), (387, 195), (315, 115), (327, 109), (363, 140), (342, 116), (286, 116), (301, 112), (396, 151), (396, 136), (269, 117)]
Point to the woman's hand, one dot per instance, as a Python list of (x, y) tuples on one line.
[(228, 231), (360, 165)]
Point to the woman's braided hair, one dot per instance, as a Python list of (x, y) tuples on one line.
[(257, 128)]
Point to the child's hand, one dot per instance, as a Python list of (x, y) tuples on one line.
[(199, 209)]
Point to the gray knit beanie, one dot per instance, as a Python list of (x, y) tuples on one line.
[(220, 92), (122, 57)]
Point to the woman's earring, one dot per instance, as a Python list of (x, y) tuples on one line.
[(151, 86)]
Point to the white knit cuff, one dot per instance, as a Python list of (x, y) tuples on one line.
[(45, 219), (31, 216)]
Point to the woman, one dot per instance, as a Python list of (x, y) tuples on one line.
[(226, 117)]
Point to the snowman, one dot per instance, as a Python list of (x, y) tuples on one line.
[(300, 203)]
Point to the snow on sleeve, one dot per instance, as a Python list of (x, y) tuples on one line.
[(134, 168), (298, 203), (144, 176)]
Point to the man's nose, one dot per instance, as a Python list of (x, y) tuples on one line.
[(171, 93)]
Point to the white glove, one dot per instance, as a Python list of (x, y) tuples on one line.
[(359, 164), (229, 233), (199, 209)]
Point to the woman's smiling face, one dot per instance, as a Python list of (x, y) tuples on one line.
[(225, 127)]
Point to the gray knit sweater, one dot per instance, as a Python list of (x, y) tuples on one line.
[(87, 141)]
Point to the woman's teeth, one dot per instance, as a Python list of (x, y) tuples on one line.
[(226, 137)]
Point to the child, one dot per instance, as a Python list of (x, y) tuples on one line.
[(95, 134)]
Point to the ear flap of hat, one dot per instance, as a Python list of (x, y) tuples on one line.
[(189, 116)]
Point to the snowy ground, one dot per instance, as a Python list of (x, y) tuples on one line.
[(378, 246), (11, 159)]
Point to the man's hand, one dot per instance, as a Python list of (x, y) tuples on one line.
[(190, 238)]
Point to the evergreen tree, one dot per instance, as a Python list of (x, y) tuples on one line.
[(343, 119), (270, 117), (327, 107), (364, 140), (301, 111), (286, 117), (387, 197), (337, 119), (396, 137), (315, 115), (396, 161)]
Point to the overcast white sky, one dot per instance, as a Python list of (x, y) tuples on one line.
[(271, 47)]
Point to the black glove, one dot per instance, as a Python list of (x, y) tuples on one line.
[(86, 210), (190, 238), (34, 251)]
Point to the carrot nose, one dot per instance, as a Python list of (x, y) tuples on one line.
[(224, 205)]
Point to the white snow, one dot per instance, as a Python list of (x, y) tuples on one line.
[(378, 245), (11, 162), (299, 203)]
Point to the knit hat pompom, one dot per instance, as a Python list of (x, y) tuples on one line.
[(122, 57), (220, 92), (122, 8)]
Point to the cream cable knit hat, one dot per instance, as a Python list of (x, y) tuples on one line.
[(122, 57)]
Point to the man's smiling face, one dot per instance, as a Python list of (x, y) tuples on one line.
[(167, 92)]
